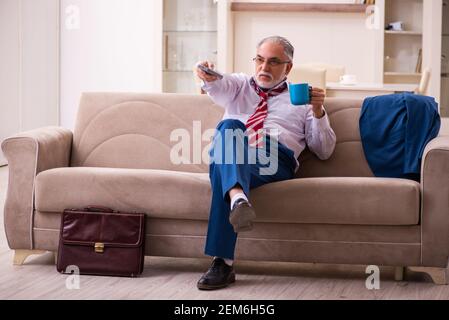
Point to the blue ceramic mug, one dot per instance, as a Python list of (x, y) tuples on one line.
[(300, 93)]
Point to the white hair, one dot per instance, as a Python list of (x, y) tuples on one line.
[(288, 48)]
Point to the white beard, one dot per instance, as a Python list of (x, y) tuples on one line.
[(271, 86)]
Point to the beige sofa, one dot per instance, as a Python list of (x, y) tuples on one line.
[(119, 156)]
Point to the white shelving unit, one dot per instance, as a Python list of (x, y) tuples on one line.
[(402, 74), (404, 33), (189, 35), (402, 48)]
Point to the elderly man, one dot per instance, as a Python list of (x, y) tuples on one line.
[(256, 106)]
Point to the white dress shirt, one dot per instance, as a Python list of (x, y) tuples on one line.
[(296, 125)]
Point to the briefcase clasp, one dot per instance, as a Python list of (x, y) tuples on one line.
[(99, 247)]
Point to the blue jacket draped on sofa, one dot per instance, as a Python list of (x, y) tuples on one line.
[(395, 130)]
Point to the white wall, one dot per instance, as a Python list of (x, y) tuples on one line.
[(9, 66), (117, 47), (336, 38), (29, 65)]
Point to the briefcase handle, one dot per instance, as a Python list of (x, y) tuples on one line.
[(100, 209)]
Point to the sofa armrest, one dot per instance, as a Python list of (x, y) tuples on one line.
[(29, 153), (435, 203)]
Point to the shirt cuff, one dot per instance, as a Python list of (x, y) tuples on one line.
[(321, 123), (207, 86)]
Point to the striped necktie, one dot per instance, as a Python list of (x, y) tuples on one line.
[(254, 125)]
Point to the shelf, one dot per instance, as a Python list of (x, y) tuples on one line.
[(406, 33), (298, 7), (191, 31), (403, 74)]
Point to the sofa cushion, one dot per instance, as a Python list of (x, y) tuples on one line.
[(173, 194), (160, 193), (361, 201)]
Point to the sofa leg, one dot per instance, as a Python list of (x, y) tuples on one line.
[(20, 255), (399, 273), (439, 275)]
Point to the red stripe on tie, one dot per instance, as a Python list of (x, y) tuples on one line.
[(254, 124)]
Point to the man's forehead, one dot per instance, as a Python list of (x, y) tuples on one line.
[(270, 50)]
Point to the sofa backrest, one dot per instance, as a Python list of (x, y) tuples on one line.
[(134, 130), (348, 159)]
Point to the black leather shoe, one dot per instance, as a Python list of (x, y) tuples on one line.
[(242, 216), (218, 276)]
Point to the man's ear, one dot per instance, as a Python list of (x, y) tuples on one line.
[(289, 68)]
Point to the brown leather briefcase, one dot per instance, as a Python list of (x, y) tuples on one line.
[(101, 241)]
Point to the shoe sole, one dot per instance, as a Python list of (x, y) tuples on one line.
[(231, 280), (242, 219)]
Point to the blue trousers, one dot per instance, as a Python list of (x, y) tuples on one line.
[(228, 168)]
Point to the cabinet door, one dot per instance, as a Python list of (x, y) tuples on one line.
[(446, 17), (445, 56), (444, 105), (445, 39), (190, 35)]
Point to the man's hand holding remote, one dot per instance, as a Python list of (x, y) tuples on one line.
[(203, 75)]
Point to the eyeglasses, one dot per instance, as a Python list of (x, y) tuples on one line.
[(273, 62)]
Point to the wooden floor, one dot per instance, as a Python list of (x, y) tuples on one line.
[(169, 278)]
